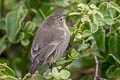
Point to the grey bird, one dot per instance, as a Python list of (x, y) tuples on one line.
[(50, 42)]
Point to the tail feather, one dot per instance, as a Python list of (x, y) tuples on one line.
[(33, 67)]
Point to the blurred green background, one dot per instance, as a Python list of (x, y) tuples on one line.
[(19, 20)]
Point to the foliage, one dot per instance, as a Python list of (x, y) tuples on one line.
[(95, 31)]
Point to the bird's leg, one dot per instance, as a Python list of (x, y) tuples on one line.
[(51, 65)]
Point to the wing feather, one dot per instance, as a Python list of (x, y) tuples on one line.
[(45, 42)]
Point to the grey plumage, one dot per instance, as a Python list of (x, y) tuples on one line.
[(50, 42)]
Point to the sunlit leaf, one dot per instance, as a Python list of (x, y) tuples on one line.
[(108, 20), (74, 54), (93, 27), (55, 73), (6, 70), (47, 75), (64, 74)]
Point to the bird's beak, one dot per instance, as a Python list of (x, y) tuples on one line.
[(64, 17)]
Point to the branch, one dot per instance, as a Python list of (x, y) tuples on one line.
[(97, 68)]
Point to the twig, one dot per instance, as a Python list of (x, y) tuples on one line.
[(24, 78), (34, 75), (97, 68)]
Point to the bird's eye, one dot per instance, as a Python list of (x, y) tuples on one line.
[(61, 19)]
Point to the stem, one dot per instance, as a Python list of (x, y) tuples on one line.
[(97, 68), (2, 7)]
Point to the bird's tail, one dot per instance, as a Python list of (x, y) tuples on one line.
[(34, 67)]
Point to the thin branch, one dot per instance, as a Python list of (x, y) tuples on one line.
[(97, 68)]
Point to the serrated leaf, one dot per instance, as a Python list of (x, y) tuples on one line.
[(6, 70)]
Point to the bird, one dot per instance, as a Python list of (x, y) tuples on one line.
[(50, 42)]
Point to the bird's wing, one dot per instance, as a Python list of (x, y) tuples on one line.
[(45, 42)]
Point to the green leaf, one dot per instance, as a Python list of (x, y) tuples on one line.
[(112, 12), (74, 13), (83, 46), (12, 25), (114, 45), (2, 24), (47, 75), (6, 70), (37, 20), (116, 59), (113, 72), (29, 27), (103, 7), (20, 36), (25, 42), (39, 77), (93, 6), (55, 73), (114, 6), (3, 45), (74, 54), (116, 73), (86, 78), (110, 71), (86, 33), (93, 27), (99, 19), (100, 39), (78, 37), (64, 74), (108, 20), (11, 78)]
